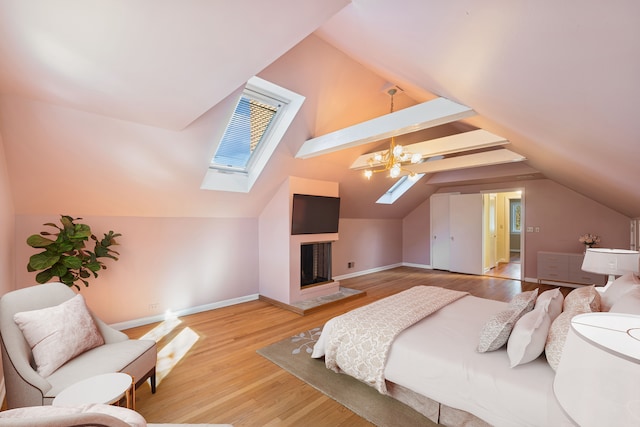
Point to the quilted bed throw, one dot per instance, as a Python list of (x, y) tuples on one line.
[(359, 342)]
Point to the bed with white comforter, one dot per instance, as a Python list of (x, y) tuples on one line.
[(437, 357), (443, 365)]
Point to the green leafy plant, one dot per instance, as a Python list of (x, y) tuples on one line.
[(65, 255)]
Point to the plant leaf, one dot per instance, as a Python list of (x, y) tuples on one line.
[(71, 261), (37, 241), (44, 276), (43, 260)]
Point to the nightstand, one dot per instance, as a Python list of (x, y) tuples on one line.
[(598, 380)]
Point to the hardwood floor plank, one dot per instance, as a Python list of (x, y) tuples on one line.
[(222, 379)]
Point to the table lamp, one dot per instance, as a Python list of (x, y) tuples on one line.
[(612, 262)]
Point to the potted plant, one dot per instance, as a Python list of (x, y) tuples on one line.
[(64, 253)]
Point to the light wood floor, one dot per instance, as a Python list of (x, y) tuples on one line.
[(222, 379)]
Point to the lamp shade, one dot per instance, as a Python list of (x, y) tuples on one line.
[(610, 261), (596, 382)]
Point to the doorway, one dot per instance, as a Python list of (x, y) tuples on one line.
[(503, 237)]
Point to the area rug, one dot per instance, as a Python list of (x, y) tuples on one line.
[(294, 356)]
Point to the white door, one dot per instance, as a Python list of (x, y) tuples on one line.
[(465, 228), (440, 231)]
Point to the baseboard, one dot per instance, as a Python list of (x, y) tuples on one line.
[(424, 266), (554, 283), (363, 272), (192, 310)]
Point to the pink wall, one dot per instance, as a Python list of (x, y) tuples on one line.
[(415, 249), (176, 263), (370, 243), (7, 252), (561, 214)]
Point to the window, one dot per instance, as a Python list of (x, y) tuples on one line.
[(398, 189), (261, 117), (516, 215)]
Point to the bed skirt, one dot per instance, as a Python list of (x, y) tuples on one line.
[(436, 412)]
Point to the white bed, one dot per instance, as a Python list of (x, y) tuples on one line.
[(437, 358)]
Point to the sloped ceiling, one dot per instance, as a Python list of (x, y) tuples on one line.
[(111, 107)]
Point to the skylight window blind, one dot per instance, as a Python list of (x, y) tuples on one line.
[(246, 130)]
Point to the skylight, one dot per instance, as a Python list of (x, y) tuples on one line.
[(398, 189), (261, 117), (246, 130)]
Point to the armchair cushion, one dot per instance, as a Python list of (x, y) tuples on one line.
[(58, 334)]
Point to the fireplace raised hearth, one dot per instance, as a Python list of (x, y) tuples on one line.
[(315, 264)]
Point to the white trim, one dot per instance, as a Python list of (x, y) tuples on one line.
[(410, 264), (184, 312), (363, 272), (554, 283)]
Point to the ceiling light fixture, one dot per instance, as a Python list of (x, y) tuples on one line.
[(392, 159)]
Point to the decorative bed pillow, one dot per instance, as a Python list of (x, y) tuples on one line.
[(524, 300), (495, 332), (629, 303), (558, 335), (585, 298), (617, 289), (59, 333), (528, 338), (552, 300)]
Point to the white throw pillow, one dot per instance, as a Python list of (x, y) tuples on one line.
[(629, 303), (552, 300), (617, 289), (529, 335), (59, 333)]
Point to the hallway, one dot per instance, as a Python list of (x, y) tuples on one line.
[(508, 270)]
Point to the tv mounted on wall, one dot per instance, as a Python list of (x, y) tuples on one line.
[(315, 214)]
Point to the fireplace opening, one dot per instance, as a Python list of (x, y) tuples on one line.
[(315, 263)]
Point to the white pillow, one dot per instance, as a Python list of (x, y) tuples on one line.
[(59, 333), (617, 289), (552, 300), (629, 303), (529, 335)]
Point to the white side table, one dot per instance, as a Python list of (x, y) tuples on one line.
[(598, 379), (105, 388)]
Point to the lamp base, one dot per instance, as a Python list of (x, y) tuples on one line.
[(610, 280)]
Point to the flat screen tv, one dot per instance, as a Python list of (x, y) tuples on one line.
[(315, 214)]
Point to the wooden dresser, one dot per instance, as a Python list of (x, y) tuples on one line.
[(567, 268)]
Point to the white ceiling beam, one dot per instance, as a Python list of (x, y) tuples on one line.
[(487, 158), (412, 119), (467, 141)]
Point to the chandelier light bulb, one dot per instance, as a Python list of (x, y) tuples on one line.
[(377, 157), (397, 150), (416, 157), (368, 173), (395, 170), (413, 177)]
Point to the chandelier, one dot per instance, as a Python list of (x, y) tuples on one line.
[(392, 160)]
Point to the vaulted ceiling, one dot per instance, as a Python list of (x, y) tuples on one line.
[(111, 107)]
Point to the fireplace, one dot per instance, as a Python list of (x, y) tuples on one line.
[(315, 263)]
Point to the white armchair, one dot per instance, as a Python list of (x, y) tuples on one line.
[(25, 387)]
